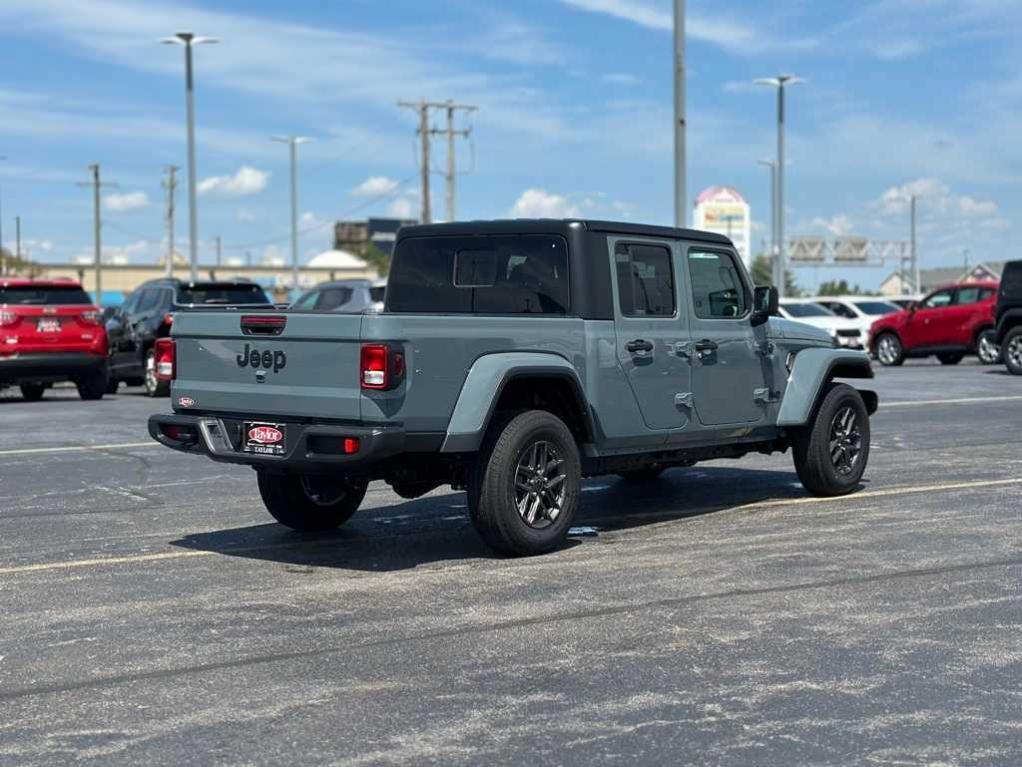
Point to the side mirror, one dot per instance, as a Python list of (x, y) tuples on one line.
[(764, 305)]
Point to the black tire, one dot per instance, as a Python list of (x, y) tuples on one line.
[(646, 474), (93, 387), (32, 392), (310, 504), (987, 350), (820, 473), (950, 358), (153, 386), (889, 350), (504, 469), (1012, 351), (112, 385)]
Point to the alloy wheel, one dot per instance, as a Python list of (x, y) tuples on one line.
[(987, 351), (539, 484), (845, 441), (1014, 352), (887, 350), (150, 373)]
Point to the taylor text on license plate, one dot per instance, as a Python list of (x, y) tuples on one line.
[(265, 438), (49, 326)]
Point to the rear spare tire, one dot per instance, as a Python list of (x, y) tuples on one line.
[(311, 504), (525, 487)]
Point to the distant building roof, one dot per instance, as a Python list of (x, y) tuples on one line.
[(337, 259), (944, 275)]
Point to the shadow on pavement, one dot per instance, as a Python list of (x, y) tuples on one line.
[(436, 528)]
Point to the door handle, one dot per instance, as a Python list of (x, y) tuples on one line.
[(706, 345), (639, 346)]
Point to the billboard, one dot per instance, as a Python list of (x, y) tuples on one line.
[(723, 210)]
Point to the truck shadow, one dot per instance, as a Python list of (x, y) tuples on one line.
[(436, 529)]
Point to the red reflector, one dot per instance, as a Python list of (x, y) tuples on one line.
[(178, 433), (164, 356), (351, 445), (375, 366)]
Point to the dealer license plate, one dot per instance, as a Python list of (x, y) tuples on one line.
[(49, 326), (264, 438)]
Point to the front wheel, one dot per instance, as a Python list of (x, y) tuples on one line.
[(524, 490), (987, 350), (154, 387), (311, 504), (1012, 347), (890, 352), (832, 450)]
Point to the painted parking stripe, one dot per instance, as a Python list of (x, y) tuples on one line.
[(966, 401), (191, 553), (79, 448)]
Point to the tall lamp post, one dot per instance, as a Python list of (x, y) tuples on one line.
[(680, 208), (772, 164), (3, 261), (293, 142), (188, 40), (780, 265)]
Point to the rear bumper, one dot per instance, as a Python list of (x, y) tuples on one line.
[(50, 366), (311, 448)]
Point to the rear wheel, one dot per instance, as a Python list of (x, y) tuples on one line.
[(831, 451), (1012, 347), (987, 350), (311, 504), (524, 490), (93, 387), (112, 385), (32, 392), (890, 351), (950, 358), (154, 387)]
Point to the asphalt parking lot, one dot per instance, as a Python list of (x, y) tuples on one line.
[(151, 613)]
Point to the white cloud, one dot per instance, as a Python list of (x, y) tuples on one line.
[(245, 215), (403, 207), (973, 208), (838, 226), (126, 203), (538, 203), (375, 186), (621, 78), (895, 50), (247, 181)]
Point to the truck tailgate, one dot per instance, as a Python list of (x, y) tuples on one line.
[(310, 369)]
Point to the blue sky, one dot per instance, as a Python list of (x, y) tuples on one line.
[(575, 115)]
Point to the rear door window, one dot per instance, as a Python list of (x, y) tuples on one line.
[(718, 291), (645, 280), (149, 300), (499, 274), (331, 299), (969, 295), (29, 295)]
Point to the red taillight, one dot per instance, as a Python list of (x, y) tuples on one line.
[(92, 317), (8, 318), (375, 366), (168, 319), (351, 445), (164, 355)]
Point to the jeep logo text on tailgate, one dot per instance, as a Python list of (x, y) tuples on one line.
[(268, 360)]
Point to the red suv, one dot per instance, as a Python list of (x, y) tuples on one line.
[(50, 331), (949, 323)]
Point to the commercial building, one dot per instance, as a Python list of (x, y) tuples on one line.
[(723, 210), (357, 236)]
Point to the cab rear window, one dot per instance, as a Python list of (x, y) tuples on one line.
[(513, 274), (45, 295), (222, 294)]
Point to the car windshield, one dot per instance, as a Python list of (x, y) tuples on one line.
[(222, 294), (876, 308), (806, 310), (70, 295)]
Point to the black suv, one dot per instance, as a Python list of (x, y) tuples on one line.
[(1009, 316), (148, 314)]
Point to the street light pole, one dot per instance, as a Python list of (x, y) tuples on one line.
[(293, 142), (780, 265), (187, 39), (3, 260), (680, 205), (915, 255), (772, 164)]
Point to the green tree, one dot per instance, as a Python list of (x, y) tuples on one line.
[(763, 274), (10, 263), (376, 259), (841, 288)]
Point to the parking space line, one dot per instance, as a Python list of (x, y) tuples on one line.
[(166, 555), (964, 401), (78, 448)]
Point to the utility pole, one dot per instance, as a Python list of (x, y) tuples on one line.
[(3, 259), (680, 206), (171, 186), (17, 238), (915, 255), (218, 250), (451, 133), (293, 142), (96, 185), (422, 107)]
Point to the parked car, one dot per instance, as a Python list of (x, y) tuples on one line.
[(843, 331), (1008, 334), (50, 331), (346, 296), (902, 302), (514, 358), (148, 314), (949, 323), (862, 310)]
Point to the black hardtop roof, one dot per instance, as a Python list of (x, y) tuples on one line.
[(176, 282), (557, 226)]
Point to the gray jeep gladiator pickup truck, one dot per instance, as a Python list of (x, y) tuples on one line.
[(512, 359)]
